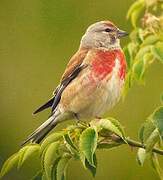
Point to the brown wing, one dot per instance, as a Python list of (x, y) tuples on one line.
[(72, 70), (75, 61)]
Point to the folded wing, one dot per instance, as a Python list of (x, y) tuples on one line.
[(73, 68)]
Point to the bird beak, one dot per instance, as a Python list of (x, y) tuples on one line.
[(121, 33)]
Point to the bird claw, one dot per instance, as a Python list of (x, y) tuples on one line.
[(83, 124)]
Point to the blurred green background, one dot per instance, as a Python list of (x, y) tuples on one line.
[(36, 40)]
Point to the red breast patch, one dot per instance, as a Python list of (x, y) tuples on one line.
[(104, 62)]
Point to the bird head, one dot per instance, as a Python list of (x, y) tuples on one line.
[(103, 34)]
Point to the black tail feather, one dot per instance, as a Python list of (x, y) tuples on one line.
[(41, 131), (45, 106)]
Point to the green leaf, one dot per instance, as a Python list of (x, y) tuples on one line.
[(157, 117), (69, 141), (150, 40), (118, 125), (50, 156), (108, 144), (112, 125), (145, 131), (136, 14), (132, 48), (152, 129), (136, 5), (10, 163), (141, 134), (83, 159), (21, 155), (51, 138), (71, 146), (139, 69), (135, 37), (141, 156), (152, 140), (127, 56), (141, 34), (28, 151), (156, 165), (92, 169), (143, 51), (157, 51), (151, 2), (148, 59), (54, 171), (140, 66), (128, 84), (37, 176), (71, 127), (61, 167), (88, 144), (44, 177), (130, 51)]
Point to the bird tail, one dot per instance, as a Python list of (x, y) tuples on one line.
[(42, 131)]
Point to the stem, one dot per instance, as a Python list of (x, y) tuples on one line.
[(134, 143), (114, 140)]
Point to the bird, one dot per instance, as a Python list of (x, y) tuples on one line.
[(92, 82)]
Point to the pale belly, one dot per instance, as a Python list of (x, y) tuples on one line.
[(91, 99), (106, 95)]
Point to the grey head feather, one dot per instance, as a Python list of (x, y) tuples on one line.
[(96, 36)]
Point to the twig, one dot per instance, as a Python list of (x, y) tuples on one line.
[(114, 140), (134, 143)]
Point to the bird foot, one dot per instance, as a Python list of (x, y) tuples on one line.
[(83, 124)]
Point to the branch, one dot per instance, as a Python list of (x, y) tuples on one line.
[(114, 140), (134, 143)]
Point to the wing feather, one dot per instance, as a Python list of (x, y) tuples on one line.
[(72, 70)]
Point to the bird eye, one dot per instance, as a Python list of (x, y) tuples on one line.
[(108, 30)]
